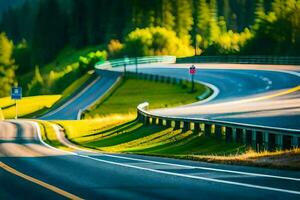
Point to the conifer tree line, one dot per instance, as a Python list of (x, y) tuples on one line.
[(42, 28)]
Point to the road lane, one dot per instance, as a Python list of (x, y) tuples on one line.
[(242, 89), (82, 100), (93, 175), (103, 176)]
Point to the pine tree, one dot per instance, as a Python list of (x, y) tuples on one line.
[(7, 66), (167, 14), (183, 19), (50, 32), (79, 24), (259, 12)]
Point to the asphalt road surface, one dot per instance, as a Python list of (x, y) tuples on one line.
[(29, 169), (250, 94), (82, 100), (104, 176)]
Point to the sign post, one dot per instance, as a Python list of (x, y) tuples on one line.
[(192, 73), (16, 94)]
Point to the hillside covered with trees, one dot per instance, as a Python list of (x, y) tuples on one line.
[(38, 31)]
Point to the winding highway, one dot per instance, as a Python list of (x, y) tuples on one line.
[(82, 100), (31, 169), (250, 94)]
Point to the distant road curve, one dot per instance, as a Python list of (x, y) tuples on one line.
[(82, 100), (267, 95), (245, 91)]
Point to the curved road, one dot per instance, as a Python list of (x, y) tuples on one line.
[(250, 94), (81, 101), (30, 169), (103, 176)]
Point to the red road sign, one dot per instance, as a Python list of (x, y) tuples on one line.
[(192, 69)]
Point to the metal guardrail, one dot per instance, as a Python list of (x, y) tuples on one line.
[(135, 61), (278, 60), (259, 137)]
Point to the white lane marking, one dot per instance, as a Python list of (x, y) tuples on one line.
[(38, 130), (165, 172), (289, 72), (80, 111), (194, 177), (93, 103), (71, 145), (73, 99), (206, 168), (215, 93)]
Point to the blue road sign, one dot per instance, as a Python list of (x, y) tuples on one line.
[(16, 93)]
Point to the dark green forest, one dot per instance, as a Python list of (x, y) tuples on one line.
[(38, 30)]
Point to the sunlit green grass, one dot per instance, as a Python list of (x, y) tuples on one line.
[(49, 135), (81, 128), (133, 137), (27, 105), (132, 92)]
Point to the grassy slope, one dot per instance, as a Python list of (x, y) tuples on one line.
[(49, 136), (134, 91), (27, 105), (36, 105), (133, 137), (66, 57)]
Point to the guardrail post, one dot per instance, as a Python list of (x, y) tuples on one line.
[(160, 122), (228, 134), (186, 126), (150, 77), (154, 120), (168, 123), (239, 132), (173, 80), (207, 130), (177, 125), (244, 136), (234, 135), (197, 128), (253, 140), (139, 116), (169, 80), (265, 140), (218, 131), (146, 120), (279, 141), (295, 141)]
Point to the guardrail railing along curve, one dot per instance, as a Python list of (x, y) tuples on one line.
[(133, 61), (259, 137)]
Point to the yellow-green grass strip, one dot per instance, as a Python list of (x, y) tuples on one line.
[(132, 92), (27, 105), (133, 137), (49, 135)]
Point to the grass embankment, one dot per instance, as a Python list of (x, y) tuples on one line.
[(48, 134), (133, 137), (37, 105), (116, 133), (27, 105), (132, 92)]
